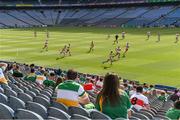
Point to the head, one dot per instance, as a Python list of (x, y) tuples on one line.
[(151, 86), (176, 91), (110, 89), (177, 105), (59, 80), (139, 89), (71, 74), (32, 70), (163, 93)]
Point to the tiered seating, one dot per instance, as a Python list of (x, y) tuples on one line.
[(27, 100)]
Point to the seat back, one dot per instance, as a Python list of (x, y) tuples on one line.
[(3, 98), (9, 92), (78, 110), (25, 97), (42, 101), (37, 108), (94, 114), (6, 112), (57, 113), (60, 106), (26, 114), (16, 103)]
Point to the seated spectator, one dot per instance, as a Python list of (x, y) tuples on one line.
[(111, 100), (174, 113), (3, 67), (51, 81), (70, 92), (174, 97), (41, 78), (89, 86), (138, 100), (99, 83), (162, 96), (17, 72), (132, 91), (32, 76), (59, 80)]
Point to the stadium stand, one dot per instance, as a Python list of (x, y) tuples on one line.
[(39, 104), (130, 17)]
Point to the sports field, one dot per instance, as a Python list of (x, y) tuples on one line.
[(146, 60)]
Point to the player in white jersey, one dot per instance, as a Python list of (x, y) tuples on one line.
[(91, 47), (110, 59), (126, 49), (68, 50), (47, 34), (177, 38), (123, 35), (63, 51), (45, 45), (148, 35), (118, 50)]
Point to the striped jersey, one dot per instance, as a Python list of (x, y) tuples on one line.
[(2, 78), (68, 93)]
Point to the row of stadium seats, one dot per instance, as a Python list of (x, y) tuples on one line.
[(134, 16)]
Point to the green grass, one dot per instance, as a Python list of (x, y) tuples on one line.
[(146, 61)]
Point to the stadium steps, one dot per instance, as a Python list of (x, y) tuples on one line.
[(164, 17), (107, 20), (19, 19), (34, 18), (101, 14), (4, 25), (138, 16)]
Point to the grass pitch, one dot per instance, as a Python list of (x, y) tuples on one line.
[(146, 61)]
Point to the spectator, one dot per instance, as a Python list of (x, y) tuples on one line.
[(31, 77), (3, 80), (138, 100), (89, 86), (71, 93), (174, 97), (17, 72), (41, 78), (99, 83), (59, 80), (162, 96), (111, 100), (132, 91), (174, 113)]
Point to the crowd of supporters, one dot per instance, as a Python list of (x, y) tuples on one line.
[(115, 97)]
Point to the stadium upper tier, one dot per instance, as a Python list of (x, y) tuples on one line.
[(106, 17), (56, 2)]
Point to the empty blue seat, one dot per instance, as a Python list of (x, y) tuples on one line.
[(94, 114), (42, 101), (25, 97), (6, 112), (44, 96), (60, 106), (46, 93), (78, 110), (26, 114), (9, 92), (16, 103), (1, 90), (35, 91), (79, 117), (32, 94), (3, 98), (57, 113), (17, 90), (37, 108)]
